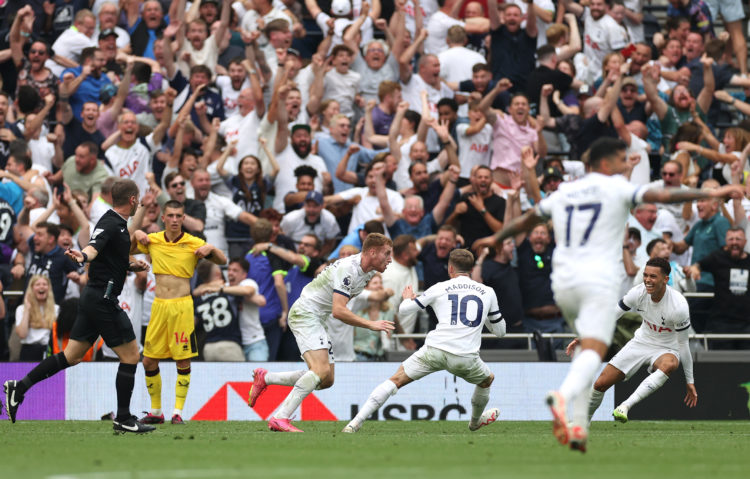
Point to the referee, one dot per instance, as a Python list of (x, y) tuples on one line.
[(99, 313)]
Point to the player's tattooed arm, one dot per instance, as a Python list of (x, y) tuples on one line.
[(680, 195)]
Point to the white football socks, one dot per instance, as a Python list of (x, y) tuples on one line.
[(287, 378), (580, 375), (595, 402), (304, 386), (479, 400), (579, 411), (377, 398), (653, 382)]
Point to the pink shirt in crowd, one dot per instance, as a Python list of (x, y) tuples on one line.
[(508, 137)]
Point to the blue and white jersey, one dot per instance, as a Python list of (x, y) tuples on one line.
[(589, 217), (461, 306)]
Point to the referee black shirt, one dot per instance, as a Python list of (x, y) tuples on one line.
[(111, 240)]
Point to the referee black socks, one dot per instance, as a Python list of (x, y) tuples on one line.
[(124, 385), (47, 368)]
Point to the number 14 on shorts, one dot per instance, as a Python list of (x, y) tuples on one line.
[(180, 338)]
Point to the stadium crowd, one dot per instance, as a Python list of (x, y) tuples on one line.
[(291, 129)]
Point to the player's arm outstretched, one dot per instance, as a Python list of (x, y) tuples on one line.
[(681, 195), (343, 314), (521, 224)]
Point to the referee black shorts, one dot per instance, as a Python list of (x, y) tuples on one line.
[(98, 316)]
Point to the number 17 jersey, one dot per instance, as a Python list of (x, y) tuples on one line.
[(589, 216)]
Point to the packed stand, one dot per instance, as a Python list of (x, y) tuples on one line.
[(289, 130)]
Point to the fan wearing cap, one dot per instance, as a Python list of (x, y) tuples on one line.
[(312, 218), (108, 46), (551, 181), (108, 16)]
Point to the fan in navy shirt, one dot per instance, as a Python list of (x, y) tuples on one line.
[(48, 259)]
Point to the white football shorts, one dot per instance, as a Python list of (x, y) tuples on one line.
[(591, 308), (635, 354), (309, 332), (428, 360)]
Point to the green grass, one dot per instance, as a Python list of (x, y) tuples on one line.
[(382, 450)]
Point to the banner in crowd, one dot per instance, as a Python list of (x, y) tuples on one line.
[(219, 392)]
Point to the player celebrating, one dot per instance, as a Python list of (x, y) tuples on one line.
[(171, 331), (327, 295), (99, 313), (589, 217), (461, 305), (661, 342)]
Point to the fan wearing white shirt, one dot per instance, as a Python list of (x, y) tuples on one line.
[(232, 84), (456, 59), (589, 217), (462, 306), (661, 343)]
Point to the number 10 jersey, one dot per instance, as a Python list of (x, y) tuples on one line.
[(461, 306)]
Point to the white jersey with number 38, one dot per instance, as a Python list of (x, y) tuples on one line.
[(589, 217), (461, 306)]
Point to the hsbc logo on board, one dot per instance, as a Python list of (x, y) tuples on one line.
[(216, 407)]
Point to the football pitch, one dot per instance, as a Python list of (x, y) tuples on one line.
[(640, 449)]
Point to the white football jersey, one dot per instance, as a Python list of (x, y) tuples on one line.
[(345, 276), (589, 217), (661, 321), (461, 306)]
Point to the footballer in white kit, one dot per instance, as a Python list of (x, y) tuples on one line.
[(589, 216), (661, 342), (327, 295), (462, 306)]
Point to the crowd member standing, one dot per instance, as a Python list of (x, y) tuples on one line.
[(171, 332), (99, 313)]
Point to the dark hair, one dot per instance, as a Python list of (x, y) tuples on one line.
[(174, 204), (341, 48), (270, 214), (374, 226), (413, 117), (92, 147), (203, 271), (660, 263), (604, 149), (318, 243), (401, 243), (237, 61), (736, 228), (87, 53), (122, 190), (278, 25), (449, 102), (450, 228), (462, 260), (544, 52), (242, 262), (28, 99), (673, 23), (415, 163), (634, 233), (258, 180), (201, 69), (652, 244), (480, 67), (64, 227), (305, 170), (20, 154), (51, 228), (688, 131), (141, 72)]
